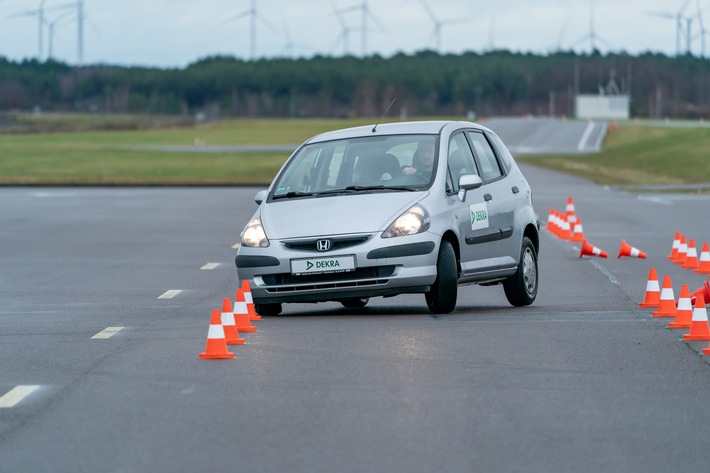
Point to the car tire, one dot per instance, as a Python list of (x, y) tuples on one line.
[(267, 309), (355, 303), (521, 288), (441, 299)]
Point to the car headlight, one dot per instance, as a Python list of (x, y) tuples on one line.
[(254, 235), (413, 221)]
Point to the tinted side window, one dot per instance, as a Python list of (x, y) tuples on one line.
[(503, 152), (460, 160), (490, 168)]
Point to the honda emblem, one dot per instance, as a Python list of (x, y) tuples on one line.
[(323, 245)]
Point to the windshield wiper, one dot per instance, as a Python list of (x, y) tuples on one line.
[(368, 188), (289, 195)]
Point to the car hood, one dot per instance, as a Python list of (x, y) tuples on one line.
[(360, 213)]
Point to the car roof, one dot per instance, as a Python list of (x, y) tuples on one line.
[(432, 127)]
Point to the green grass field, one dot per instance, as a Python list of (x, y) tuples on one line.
[(633, 155)]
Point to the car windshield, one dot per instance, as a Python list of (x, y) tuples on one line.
[(370, 164)]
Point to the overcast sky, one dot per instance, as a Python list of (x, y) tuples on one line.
[(175, 33)]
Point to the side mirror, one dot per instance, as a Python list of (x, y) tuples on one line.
[(468, 182), (260, 197)]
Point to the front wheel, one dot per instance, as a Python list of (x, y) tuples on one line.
[(441, 299), (521, 288)]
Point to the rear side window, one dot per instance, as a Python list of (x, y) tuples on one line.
[(490, 168), (503, 152)]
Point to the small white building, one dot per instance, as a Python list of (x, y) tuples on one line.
[(602, 107)]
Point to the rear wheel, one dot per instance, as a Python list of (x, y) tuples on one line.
[(521, 287), (441, 299), (355, 303), (267, 309)]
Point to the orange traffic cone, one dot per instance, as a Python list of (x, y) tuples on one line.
[(704, 291), (578, 232), (699, 328), (216, 347), (630, 251), (241, 313), (691, 258), (231, 334), (682, 251), (551, 222), (565, 232), (246, 287), (704, 263), (653, 291), (666, 307), (685, 310), (591, 250), (569, 211), (676, 245)]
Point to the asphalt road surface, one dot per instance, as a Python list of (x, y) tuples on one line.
[(583, 380)]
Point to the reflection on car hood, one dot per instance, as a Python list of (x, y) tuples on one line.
[(357, 213)]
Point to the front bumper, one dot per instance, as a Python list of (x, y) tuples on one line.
[(383, 267)]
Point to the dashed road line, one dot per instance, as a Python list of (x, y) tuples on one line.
[(170, 294), (236, 246), (209, 266), (16, 395), (108, 332), (585, 136)]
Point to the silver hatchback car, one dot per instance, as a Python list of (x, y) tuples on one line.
[(411, 207)]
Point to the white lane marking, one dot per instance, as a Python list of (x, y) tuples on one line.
[(170, 294), (606, 273), (655, 200), (108, 332), (16, 395), (210, 266), (585, 136), (236, 246)]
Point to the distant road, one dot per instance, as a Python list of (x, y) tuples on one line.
[(536, 135), (522, 136)]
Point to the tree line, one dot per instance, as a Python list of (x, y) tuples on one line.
[(423, 84)]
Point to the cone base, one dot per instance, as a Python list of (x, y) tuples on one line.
[(237, 341), (246, 329), (678, 325), (664, 314), (701, 271), (697, 337), (649, 305), (706, 351), (255, 317), (212, 356)]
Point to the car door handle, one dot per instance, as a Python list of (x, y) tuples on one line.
[(515, 189), (487, 197)]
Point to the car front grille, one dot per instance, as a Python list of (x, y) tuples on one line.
[(337, 243), (361, 277)]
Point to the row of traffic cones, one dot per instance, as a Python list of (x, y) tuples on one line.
[(685, 254), (568, 226), (689, 311), (226, 324)]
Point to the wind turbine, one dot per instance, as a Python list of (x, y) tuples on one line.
[(678, 18), (438, 24), (39, 13), (366, 13), (703, 31), (345, 35), (592, 35), (50, 31), (254, 15)]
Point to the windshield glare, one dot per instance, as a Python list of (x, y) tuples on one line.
[(390, 161)]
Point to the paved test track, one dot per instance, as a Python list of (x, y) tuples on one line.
[(582, 380)]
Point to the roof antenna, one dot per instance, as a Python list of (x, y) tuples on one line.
[(374, 128)]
